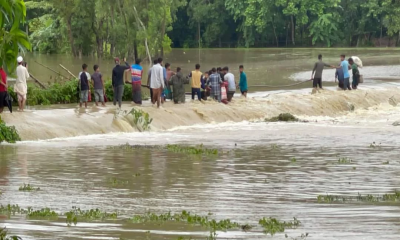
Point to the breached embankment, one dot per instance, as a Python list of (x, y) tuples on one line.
[(61, 123)]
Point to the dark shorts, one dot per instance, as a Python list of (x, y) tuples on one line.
[(230, 95), (316, 82), (2, 98)]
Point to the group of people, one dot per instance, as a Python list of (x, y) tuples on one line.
[(342, 74), (217, 83), (164, 84), (20, 87)]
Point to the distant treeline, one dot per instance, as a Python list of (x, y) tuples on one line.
[(129, 27)]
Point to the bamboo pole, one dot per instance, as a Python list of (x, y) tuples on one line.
[(37, 81), (50, 69), (70, 73)]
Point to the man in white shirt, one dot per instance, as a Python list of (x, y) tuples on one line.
[(157, 82), (230, 78), (20, 86)]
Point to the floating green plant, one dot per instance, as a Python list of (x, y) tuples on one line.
[(141, 119), (194, 150), (389, 197), (273, 225), (385, 163), (344, 160), (4, 235), (87, 215), (11, 209), (293, 160), (189, 218), (42, 213), (28, 188)]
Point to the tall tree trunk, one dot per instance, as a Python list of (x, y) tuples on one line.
[(135, 50), (380, 38), (198, 34), (287, 33), (71, 38), (112, 45), (163, 33), (276, 37), (293, 30)]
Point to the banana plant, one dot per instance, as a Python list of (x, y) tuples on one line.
[(12, 38)]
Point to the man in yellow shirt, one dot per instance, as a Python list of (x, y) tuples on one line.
[(196, 76)]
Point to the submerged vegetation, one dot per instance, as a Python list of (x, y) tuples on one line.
[(344, 160), (28, 188), (273, 225), (141, 119), (283, 117), (389, 197), (8, 133), (193, 150), (5, 236), (42, 213), (77, 214)]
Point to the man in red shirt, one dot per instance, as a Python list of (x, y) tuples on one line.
[(3, 88)]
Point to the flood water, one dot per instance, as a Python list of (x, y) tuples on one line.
[(69, 154)]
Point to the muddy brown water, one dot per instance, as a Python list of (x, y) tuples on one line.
[(263, 66), (251, 178)]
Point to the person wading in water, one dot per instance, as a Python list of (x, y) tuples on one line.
[(157, 82), (356, 73), (20, 87), (318, 69), (344, 65), (84, 77), (136, 81), (98, 85), (214, 82), (149, 79), (118, 81), (196, 76), (177, 81)]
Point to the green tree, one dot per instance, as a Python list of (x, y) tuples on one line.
[(12, 39)]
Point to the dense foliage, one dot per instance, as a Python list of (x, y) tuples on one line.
[(12, 39), (8, 134), (124, 27)]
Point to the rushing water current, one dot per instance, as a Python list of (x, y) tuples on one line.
[(347, 145)]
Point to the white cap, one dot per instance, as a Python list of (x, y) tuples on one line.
[(19, 59)]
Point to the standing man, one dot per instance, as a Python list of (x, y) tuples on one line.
[(178, 81), (3, 88), (318, 68), (196, 76), (356, 73), (340, 77), (118, 80), (215, 82), (20, 86), (136, 80), (157, 82), (344, 65), (243, 81), (149, 78), (84, 77), (230, 79), (98, 85)]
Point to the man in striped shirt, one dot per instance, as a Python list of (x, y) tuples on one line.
[(214, 82)]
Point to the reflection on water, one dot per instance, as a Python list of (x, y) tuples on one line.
[(255, 179)]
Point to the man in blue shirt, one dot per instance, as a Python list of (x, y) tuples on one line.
[(344, 65)]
